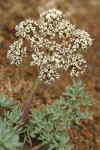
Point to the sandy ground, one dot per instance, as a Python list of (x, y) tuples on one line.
[(17, 82)]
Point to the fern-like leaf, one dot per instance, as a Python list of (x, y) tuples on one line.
[(9, 140), (7, 102)]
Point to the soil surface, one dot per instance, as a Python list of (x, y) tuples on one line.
[(17, 81)]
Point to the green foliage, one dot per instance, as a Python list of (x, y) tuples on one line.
[(74, 99), (9, 140), (9, 131), (48, 125), (12, 113), (7, 102), (77, 94), (13, 118)]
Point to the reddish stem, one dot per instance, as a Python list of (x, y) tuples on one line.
[(28, 103), (26, 111)]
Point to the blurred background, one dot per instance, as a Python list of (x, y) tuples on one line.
[(17, 81)]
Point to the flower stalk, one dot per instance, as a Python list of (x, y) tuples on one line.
[(28, 103)]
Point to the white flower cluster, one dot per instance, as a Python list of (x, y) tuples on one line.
[(82, 39), (56, 44), (25, 28), (16, 52)]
